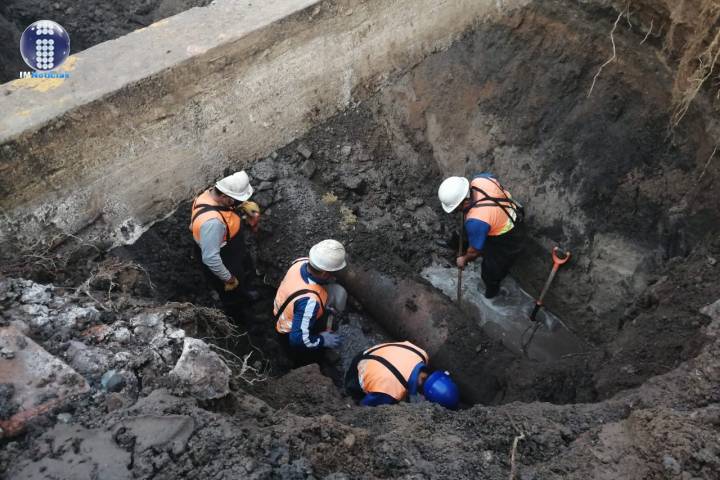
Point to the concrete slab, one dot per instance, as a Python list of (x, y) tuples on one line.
[(39, 380), (507, 316)]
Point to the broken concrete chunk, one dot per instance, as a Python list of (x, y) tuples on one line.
[(304, 150), (122, 335), (76, 317), (64, 418), (112, 381), (39, 315), (356, 183), (88, 360), (37, 294), (165, 433), (712, 310), (202, 372), (264, 186), (81, 454), (264, 170), (308, 168), (34, 380)]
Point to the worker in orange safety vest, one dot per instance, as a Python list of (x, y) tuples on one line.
[(216, 221), (493, 222), (392, 372), (307, 301)]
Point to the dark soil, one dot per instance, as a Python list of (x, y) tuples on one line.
[(88, 22)]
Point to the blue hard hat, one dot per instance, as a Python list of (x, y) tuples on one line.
[(439, 388)]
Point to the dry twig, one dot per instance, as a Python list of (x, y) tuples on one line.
[(107, 272), (707, 164), (652, 21), (240, 366), (698, 62), (518, 438)]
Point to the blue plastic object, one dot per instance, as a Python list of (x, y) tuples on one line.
[(439, 388)]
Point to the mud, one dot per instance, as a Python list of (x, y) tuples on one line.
[(88, 22), (598, 174)]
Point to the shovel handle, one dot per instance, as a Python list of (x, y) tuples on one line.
[(536, 309), (560, 256)]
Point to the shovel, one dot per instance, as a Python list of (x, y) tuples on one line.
[(559, 257)]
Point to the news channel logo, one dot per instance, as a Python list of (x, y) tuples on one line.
[(44, 46)]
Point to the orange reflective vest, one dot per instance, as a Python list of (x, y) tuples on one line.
[(291, 289), (492, 204), (204, 208), (386, 368)]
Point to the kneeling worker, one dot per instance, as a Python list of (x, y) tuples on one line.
[(216, 227), (391, 372), (306, 301)]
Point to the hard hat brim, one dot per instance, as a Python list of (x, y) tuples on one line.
[(241, 197), (449, 208)]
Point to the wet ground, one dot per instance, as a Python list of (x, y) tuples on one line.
[(506, 318)]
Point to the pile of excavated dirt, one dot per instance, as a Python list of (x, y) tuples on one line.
[(88, 22), (155, 418), (597, 173)]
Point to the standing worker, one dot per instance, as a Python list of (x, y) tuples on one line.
[(392, 372), (306, 302), (493, 222), (216, 226)]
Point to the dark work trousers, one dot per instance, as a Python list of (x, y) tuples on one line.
[(499, 254), (301, 356), (237, 260), (352, 381)]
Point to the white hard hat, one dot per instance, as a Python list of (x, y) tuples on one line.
[(452, 191), (328, 256), (236, 186)]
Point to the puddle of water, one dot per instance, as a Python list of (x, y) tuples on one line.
[(506, 317)]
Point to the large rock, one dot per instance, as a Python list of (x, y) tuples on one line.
[(34, 380), (77, 453), (88, 360), (201, 371)]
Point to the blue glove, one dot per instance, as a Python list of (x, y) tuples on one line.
[(331, 340)]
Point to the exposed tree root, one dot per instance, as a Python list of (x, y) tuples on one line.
[(611, 59), (699, 60)]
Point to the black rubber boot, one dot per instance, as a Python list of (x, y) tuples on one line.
[(491, 291)]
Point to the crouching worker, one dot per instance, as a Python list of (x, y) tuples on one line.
[(392, 372), (216, 220), (308, 300)]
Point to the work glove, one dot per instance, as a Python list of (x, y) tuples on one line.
[(331, 340), (231, 284), (252, 215)]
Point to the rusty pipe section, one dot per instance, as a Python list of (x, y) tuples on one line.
[(411, 309)]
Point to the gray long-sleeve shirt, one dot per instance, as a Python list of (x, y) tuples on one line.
[(212, 236)]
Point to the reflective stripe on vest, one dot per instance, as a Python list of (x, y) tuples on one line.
[(292, 283), (375, 377), (203, 210), (497, 209)]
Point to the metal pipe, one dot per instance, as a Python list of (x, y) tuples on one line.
[(411, 309)]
